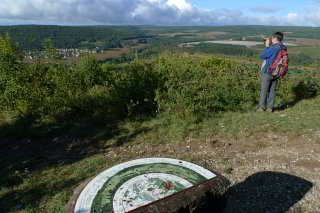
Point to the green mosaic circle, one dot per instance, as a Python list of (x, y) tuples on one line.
[(103, 202), (136, 183)]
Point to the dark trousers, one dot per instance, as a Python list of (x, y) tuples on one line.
[(267, 91)]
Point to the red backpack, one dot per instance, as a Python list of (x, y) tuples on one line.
[(279, 67)]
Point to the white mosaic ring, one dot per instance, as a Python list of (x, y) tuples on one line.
[(136, 183)]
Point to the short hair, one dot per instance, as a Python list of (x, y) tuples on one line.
[(278, 35)]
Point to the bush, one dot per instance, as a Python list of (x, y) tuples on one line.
[(297, 87), (195, 89), (133, 89), (49, 89), (10, 68)]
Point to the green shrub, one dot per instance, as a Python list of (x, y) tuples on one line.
[(10, 68), (80, 89), (194, 89), (132, 89), (297, 87)]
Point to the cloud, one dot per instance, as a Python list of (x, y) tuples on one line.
[(313, 11), (180, 4), (266, 9), (155, 12), (314, 18)]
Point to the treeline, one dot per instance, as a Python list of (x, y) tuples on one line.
[(31, 37), (225, 49)]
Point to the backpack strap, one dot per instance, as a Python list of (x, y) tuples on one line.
[(278, 58)]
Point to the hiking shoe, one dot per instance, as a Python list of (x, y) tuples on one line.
[(269, 110), (260, 110)]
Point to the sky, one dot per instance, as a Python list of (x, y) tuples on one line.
[(161, 12)]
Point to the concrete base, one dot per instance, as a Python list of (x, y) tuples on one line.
[(205, 197)]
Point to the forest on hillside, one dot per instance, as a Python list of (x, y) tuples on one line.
[(31, 37)]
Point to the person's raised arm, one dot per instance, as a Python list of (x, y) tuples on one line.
[(267, 53)]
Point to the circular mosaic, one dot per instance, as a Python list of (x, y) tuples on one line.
[(137, 183)]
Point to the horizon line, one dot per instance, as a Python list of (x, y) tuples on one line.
[(153, 25)]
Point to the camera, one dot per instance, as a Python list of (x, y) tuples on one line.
[(270, 41)]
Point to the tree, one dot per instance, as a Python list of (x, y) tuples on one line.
[(90, 70), (50, 51), (10, 66)]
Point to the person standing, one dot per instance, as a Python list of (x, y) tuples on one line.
[(268, 83)]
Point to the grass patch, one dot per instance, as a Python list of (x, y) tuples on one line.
[(293, 122)]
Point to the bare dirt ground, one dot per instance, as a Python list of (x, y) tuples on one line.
[(270, 174)]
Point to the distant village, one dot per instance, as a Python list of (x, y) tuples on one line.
[(64, 53), (75, 52)]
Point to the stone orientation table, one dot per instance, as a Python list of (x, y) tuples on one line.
[(153, 185)]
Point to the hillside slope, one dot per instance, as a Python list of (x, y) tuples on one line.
[(241, 146)]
